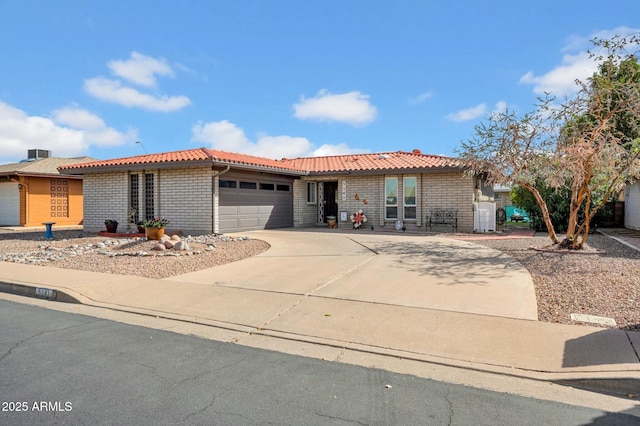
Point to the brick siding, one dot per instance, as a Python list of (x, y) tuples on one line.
[(435, 190), (183, 196)]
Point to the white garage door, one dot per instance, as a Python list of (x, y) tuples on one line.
[(9, 204), (247, 204)]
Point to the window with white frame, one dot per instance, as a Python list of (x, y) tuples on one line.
[(391, 197), (311, 192), (409, 193)]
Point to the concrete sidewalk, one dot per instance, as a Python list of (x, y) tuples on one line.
[(422, 298)]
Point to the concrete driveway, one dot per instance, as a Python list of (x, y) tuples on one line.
[(391, 269), (395, 301)]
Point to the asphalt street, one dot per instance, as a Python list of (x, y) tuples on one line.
[(61, 368)]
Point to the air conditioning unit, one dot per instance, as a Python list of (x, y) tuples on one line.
[(37, 154)]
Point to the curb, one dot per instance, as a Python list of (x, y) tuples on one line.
[(627, 387), (620, 387), (37, 292)]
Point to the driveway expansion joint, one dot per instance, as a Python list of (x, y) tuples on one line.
[(635, 350)]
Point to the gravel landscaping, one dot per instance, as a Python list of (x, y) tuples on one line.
[(124, 256), (603, 280)]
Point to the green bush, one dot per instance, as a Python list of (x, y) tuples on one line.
[(558, 202)]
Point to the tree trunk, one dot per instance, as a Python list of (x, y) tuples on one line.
[(574, 208), (545, 211)]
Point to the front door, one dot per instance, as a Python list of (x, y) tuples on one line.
[(330, 199)]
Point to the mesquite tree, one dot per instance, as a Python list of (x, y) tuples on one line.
[(599, 146), (589, 143), (513, 149)]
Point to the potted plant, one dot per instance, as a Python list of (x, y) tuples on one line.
[(140, 225), (154, 228), (112, 225)]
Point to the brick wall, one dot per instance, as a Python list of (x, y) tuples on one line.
[(304, 214), (369, 188), (183, 196), (450, 190), (106, 196), (435, 190)]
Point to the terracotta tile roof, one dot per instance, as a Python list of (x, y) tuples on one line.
[(233, 158), (399, 160), (333, 164), (186, 156)]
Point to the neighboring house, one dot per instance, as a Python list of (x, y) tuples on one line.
[(204, 191), (33, 191), (632, 206), (502, 196)]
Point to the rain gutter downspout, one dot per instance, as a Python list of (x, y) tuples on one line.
[(214, 200)]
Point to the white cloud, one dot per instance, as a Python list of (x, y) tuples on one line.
[(477, 112), (226, 136), (468, 114), (68, 133), (113, 91), (421, 98), (561, 80), (575, 65), (501, 106), (222, 135), (281, 147), (351, 108), (141, 69), (338, 149), (78, 118)]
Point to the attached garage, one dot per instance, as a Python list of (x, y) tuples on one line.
[(9, 204), (199, 191), (250, 201)]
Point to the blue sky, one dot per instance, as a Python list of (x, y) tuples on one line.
[(282, 78)]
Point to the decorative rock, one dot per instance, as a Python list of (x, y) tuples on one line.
[(163, 239), (175, 238), (181, 245), (159, 246), (169, 244)]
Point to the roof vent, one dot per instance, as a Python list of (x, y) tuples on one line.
[(383, 156), (417, 151), (36, 154)]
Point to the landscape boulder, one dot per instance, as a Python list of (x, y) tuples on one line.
[(181, 245)]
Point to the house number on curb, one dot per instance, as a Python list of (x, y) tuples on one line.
[(44, 293), (344, 190)]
